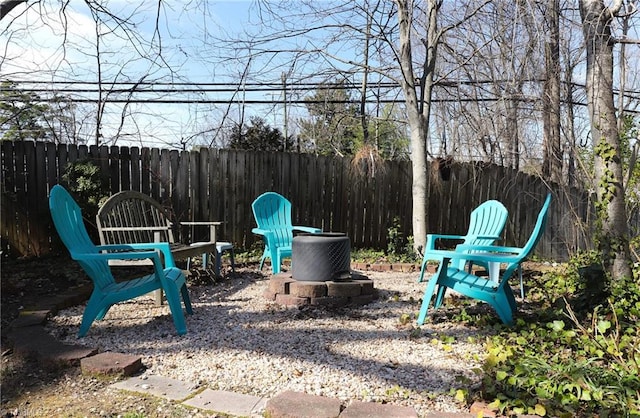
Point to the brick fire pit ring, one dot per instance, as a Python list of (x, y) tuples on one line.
[(320, 275)]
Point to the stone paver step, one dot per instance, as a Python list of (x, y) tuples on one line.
[(160, 386), (229, 403)]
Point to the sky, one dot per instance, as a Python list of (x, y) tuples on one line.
[(187, 36), (37, 34), (39, 46)]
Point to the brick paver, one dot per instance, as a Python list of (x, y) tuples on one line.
[(110, 363), (296, 404), (358, 409)]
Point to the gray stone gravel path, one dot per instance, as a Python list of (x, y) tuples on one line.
[(30, 337)]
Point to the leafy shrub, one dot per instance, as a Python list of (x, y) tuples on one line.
[(367, 255), (625, 294), (84, 180), (570, 365), (564, 371), (399, 248)]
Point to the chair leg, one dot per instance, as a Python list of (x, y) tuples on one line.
[(175, 283), (521, 281), (422, 270), (186, 299), (264, 256), (275, 263), (176, 311), (428, 294), (503, 307), (218, 262), (92, 312), (87, 320), (233, 262), (204, 260), (101, 314), (440, 296), (510, 298), (158, 297)]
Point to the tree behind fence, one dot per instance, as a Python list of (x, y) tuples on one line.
[(327, 192)]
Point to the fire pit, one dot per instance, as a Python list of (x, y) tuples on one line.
[(320, 274), (321, 257)]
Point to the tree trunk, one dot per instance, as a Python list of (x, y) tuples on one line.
[(513, 156), (418, 109), (614, 239), (570, 128), (552, 163), (365, 79)]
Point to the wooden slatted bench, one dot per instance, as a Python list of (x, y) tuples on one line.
[(132, 217)]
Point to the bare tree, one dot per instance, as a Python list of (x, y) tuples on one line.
[(417, 91), (482, 57), (128, 51), (552, 159), (597, 20), (486, 96), (404, 36)]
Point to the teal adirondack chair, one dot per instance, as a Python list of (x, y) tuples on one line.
[(495, 289), (67, 218), (485, 226), (272, 213)]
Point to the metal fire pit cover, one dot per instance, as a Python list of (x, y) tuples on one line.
[(321, 257)]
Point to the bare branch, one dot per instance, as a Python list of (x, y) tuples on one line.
[(7, 5)]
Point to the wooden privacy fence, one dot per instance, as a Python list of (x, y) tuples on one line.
[(330, 193)]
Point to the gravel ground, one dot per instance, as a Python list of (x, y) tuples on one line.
[(239, 341)]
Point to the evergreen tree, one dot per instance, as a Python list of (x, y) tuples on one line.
[(333, 126), (25, 116), (259, 136)]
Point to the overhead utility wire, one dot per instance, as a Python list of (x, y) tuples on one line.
[(328, 85), (230, 87), (269, 101)]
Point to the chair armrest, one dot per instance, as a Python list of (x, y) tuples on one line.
[(211, 224), (308, 229), (489, 249), (117, 255), (260, 231), (431, 240), (132, 228), (116, 251), (487, 257), (266, 233)]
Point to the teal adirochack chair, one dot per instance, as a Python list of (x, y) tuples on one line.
[(67, 218), (485, 226), (495, 289), (272, 213)]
